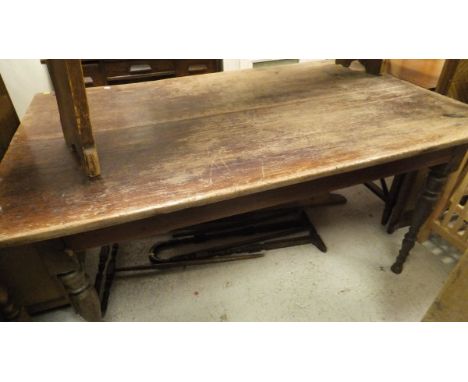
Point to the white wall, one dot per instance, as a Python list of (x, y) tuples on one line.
[(230, 64), (23, 79)]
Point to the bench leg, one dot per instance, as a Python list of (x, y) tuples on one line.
[(430, 194)]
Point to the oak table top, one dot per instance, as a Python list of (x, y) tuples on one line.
[(169, 145)]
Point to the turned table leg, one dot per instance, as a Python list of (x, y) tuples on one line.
[(68, 266), (430, 194), (9, 310), (82, 294)]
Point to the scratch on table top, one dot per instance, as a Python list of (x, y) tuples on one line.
[(271, 131), (218, 158), (211, 170)]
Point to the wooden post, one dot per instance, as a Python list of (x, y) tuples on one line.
[(9, 121), (68, 266), (445, 79), (454, 179), (67, 78), (429, 196), (435, 182), (82, 294), (453, 82)]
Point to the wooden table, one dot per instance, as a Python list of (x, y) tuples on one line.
[(182, 151)]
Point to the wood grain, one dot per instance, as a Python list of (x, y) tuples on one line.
[(424, 73), (453, 80), (67, 78), (23, 271), (185, 142), (163, 223)]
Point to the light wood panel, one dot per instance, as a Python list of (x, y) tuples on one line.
[(453, 81), (452, 223), (443, 203), (424, 73), (179, 143)]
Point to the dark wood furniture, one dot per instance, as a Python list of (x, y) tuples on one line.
[(452, 302), (29, 283), (400, 193), (287, 133), (114, 72), (9, 311), (9, 121), (372, 66), (400, 199), (453, 82), (70, 92)]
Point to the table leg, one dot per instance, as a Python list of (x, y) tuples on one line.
[(68, 266), (9, 310), (82, 294), (432, 189)]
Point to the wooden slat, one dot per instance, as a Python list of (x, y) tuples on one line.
[(174, 144), (454, 179), (446, 76), (456, 241), (448, 224), (424, 73), (460, 221), (24, 273), (9, 121), (465, 235), (67, 78), (458, 88), (453, 80), (448, 216)]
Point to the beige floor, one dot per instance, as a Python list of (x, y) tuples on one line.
[(351, 282)]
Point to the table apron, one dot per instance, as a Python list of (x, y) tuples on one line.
[(163, 223)]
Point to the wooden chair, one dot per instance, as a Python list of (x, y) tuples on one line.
[(448, 77), (9, 121), (450, 215)]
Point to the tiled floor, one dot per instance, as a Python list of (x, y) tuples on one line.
[(351, 282)]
